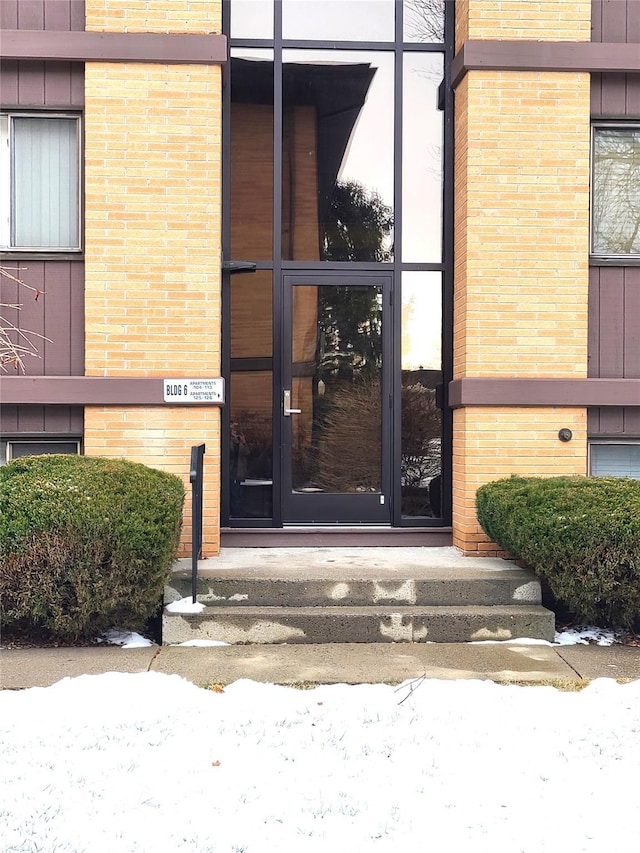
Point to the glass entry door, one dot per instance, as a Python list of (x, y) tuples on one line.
[(336, 459)]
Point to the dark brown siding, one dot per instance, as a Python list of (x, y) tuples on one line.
[(614, 291), (61, 420), (617, 22), (59, 313), (42, 84), (42, 14), (614, 342), (614, 323)]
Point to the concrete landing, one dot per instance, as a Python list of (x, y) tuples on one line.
[(420, 563)]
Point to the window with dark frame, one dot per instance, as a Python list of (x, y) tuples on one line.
[(614, 459), (615, 190), (40, 177), (15, 448)]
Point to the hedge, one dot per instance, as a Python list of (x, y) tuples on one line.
[(85, 543), (582, 534)]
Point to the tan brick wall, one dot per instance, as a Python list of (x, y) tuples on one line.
[(492, 443), (522, 225), (461, 23), (154, 16), (161, 437), (521, 251), (548, 20), (152, 241)]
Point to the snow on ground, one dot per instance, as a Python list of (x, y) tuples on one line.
[(586, 635), (185, 605), (126, 639), (148, 763)]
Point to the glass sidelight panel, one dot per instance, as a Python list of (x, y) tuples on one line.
[(251, 154), (336, 376), (251, 445), (251, 315), (422, 158), (421, 430)]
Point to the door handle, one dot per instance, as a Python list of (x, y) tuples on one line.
[(286, 404)]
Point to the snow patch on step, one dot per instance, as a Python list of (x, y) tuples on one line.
[(527, 592), (405, 593), (339, 591), (488, 634)]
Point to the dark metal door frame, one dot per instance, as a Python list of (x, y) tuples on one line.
[(337, 508)]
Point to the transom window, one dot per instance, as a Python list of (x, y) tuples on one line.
[(40, 179)]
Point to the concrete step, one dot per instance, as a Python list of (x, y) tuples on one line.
[(353, 624), (244, 590), (356, 595)]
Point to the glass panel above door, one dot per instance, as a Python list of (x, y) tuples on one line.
[(252, 19), (338, 20), (337, 156), (423, 21)]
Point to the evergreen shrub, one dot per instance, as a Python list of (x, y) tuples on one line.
[(582, 534), (86, 543)]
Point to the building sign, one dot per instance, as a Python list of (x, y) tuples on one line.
[(194, 390)]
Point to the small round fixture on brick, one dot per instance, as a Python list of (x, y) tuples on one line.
[(565, 434)]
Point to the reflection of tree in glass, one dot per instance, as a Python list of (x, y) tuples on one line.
[(616, 197), (349, 447), (350, 340), (421, 435), (358, 225), (424, 20)]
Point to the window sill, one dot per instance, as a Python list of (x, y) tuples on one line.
[(36, 255), (615, 261)]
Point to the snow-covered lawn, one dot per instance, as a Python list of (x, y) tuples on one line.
[(123, 763)]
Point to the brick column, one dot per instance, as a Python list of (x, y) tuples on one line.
[(521, 249), (152, 240)]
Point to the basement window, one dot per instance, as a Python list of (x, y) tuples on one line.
[(16, 448), (40, 168), (614, 459)]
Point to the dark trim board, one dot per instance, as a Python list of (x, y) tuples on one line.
[(337, 537), (492, 391), (169, 48), (86, 391), (523, 55)]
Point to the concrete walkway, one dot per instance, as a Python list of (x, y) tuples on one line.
[(325, 664)]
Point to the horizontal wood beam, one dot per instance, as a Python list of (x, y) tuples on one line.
[(82, 46), (594, 57), (87, 391), (494, 391)]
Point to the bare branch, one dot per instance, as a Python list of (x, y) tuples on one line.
[(16, 344)]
